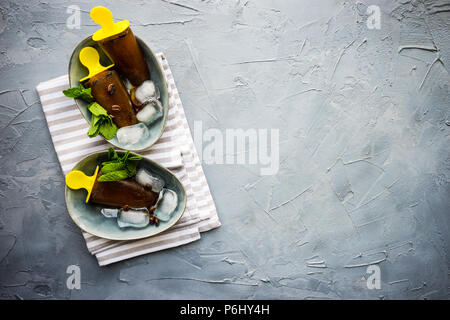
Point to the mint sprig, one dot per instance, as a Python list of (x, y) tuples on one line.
[(101, 122), (79, 93), (111, 167), (119, 168), (114, 176)]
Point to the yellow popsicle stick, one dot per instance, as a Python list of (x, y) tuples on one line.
[(76, 179), (91, 60), (104, 18)]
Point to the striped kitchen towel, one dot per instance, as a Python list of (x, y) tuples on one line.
[(174, 150)]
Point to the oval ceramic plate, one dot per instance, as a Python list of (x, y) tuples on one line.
[(89, 218), (78, 71)]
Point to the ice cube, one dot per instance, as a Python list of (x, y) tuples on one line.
[(151, 112), (133, 217), (110, 213), (149, 180), (146, 92), (166, 205), (132, 134)]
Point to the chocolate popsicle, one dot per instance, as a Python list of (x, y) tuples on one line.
[(119, 193), (119, 43), (107, 89), (123, 193)]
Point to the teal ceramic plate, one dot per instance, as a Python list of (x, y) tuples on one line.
[(89, 218), (78, 71)]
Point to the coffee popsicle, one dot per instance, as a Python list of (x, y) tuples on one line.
[(107, 88), (119, 43), (119, 193)]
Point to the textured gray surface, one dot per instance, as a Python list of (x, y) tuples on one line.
[(364, 124)]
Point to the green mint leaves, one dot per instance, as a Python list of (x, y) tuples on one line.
[(101, 122), (79, 93), (119, 168), (110, 167), (97, 110), (113, 176)]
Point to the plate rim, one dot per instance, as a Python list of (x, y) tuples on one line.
[(129, 238)]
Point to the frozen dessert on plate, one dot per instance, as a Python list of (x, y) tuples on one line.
[(123, 100), (134, 196)]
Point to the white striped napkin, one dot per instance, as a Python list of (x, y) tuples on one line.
[(174, 150)]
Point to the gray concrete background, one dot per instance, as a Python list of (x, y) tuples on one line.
[(364, 124)]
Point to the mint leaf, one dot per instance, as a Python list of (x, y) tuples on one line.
[(94, 127), (96, 119), (112, 154), (110, 167), (108, 130), (131, 168), (125, 156), (79, 93), (114, 176), (109, 162), (98, 110), (131, 163), (118, 168), (101, 122)]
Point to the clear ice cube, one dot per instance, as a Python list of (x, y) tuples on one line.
[(146, 92), (130, 135), (151, 112), (149, 180), (110, 213), (133, 217), (166, 205)]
